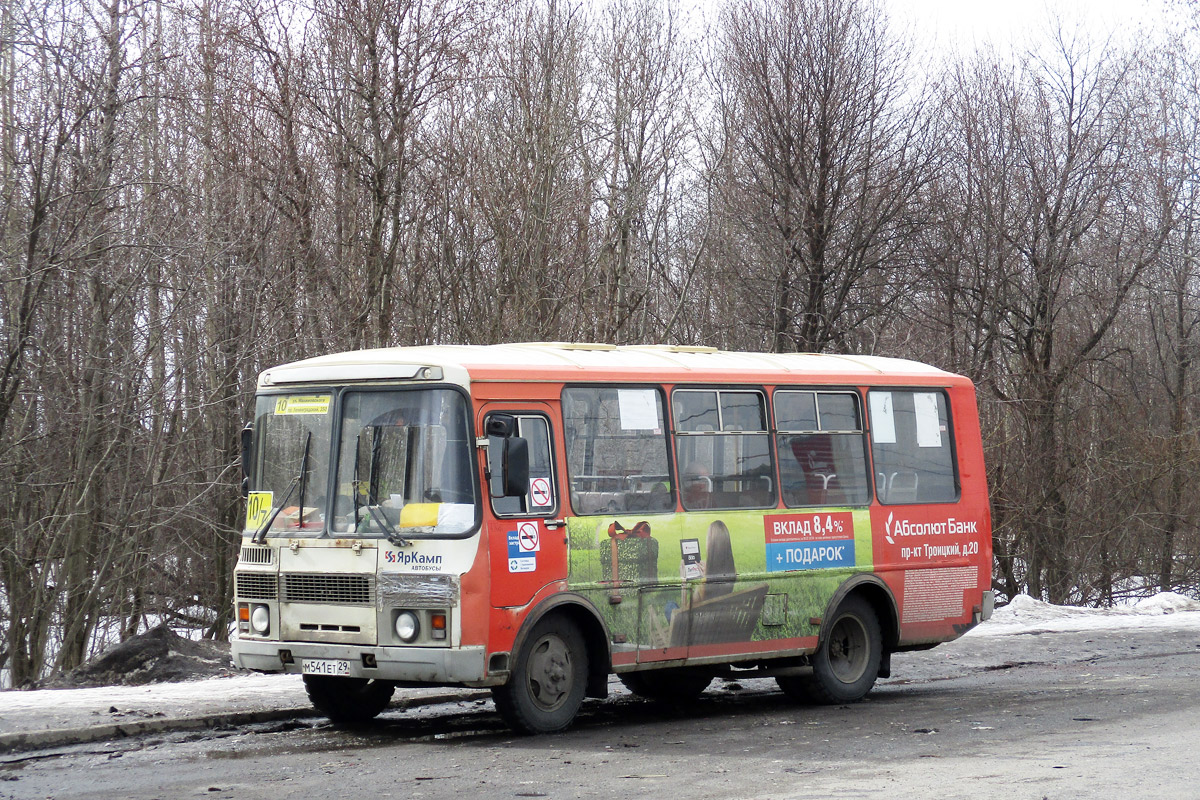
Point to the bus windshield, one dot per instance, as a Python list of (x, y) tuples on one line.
[(292, 438), (405, 464)]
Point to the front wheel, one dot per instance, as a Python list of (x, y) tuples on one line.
[(348, 700), (846, 662), (548, 681)]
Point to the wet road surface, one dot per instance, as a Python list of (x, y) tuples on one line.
[(1068, 715)]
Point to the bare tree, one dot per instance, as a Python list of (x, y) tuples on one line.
[(642, 143), (531, 177), (824, 149), (383, 66), (1063, 207), (1171, 306)]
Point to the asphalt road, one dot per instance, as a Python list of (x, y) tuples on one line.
[(1077, 715)]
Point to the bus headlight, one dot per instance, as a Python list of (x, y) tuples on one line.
[(407, 626), (260, 620)]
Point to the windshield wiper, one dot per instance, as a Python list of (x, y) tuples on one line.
[(261, 535), (303, 478), (356, 484), (374, 510), (393, 536)]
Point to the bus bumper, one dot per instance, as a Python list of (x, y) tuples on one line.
[(432, 665), (987, 606)]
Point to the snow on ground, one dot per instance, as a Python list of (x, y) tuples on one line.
[(1026, 615), (55, 708), (58, 708)]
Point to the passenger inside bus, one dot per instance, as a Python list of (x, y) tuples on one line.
[(697, 486)]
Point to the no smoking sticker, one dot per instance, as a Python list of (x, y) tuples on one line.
[(527, 537), (539, 492)]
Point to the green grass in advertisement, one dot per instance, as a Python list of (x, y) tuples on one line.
[(716, 577)]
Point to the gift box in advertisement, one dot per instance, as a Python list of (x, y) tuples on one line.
[(631, 556)]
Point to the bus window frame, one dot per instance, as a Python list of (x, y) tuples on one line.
[(945, 392), (667, 434), (864, 435), (768, 418), (521, 414), (334, 392), (336, 446)]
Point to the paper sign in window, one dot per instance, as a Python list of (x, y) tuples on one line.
[(314, 404), (929, 431), (883, 420), (639, 409)]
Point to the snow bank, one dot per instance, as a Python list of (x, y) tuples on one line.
[(49, 709), (1027, 615), (1166, 603)]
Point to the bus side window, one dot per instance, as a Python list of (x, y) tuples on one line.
[(723, 448), (822, 452), (616, 441), (539, 500), (911, 447)]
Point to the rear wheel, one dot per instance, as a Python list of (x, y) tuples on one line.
[(549, 678), (846, 662), (348, 700), (667, 685)]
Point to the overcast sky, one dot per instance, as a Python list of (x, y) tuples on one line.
[(962, 25), (956, 24)]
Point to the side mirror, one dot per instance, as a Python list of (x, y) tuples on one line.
[(508, 457), (247, 451), (501, 426), (516, 467)]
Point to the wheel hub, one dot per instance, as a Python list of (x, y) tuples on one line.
[(848, 649), (550, 672)]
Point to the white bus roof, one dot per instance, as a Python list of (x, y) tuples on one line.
[(559, 361)]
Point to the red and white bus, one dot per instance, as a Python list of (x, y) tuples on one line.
[(535, 517)]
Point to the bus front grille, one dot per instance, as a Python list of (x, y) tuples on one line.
[(256, 586), (257, 555), (303, 587)]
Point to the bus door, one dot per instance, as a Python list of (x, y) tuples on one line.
[(526, 536)]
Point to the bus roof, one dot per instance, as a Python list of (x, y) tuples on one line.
[(571, 362)]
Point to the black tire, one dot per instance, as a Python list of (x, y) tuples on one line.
[(796, 688), (847, 660), (667, 685), (348, 700), (548, 680)]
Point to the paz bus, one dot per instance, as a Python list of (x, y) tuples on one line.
[(533, 518)]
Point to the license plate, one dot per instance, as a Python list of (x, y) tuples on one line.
[(321, 666)]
